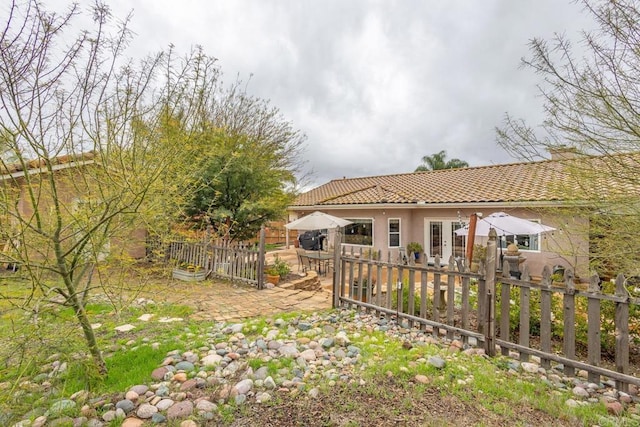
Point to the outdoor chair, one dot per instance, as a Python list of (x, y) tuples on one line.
[(300, 253), (329, 264), (306, 263)]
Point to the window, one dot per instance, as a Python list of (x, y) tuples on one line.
[(527, 242), (459, 242), (360, 232), (435, 238), (394, 232)]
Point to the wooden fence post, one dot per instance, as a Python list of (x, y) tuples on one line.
[(525, 314), (593, 325), (451, 293), (622, 332), (390, 285), (436, 295), (261, 259), (490, 286), (545, 315), (411, 300), (208, 248), (505, 306), (569, 329), (337, 245), (465, 289)]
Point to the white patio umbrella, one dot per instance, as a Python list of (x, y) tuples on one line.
[(317, 221), (505, 225)]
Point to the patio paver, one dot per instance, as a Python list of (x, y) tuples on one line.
[(224, 301)]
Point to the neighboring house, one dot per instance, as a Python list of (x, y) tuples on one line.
[(74, 192), (427, 207)]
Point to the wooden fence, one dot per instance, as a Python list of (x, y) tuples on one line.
[(569, 324), (233, 261), (275, 233)]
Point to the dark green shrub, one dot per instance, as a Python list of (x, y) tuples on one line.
[(405, 300), (607, 323), (279, 268), (515, 309)]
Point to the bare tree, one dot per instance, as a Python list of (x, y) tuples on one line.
[(87, 134), (592, 105), (94, 146)]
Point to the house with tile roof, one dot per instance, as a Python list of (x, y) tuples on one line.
[(24, 188), (390, 211)]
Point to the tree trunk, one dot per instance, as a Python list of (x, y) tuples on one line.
[(89, 335)]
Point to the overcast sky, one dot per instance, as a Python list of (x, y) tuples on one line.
[(375, 85)]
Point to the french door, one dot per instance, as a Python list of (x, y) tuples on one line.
[(441, 240)]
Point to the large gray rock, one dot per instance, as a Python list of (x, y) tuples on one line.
[(185, 366), (244, 386), (437, 362), (342, 339), (304, 326), (206, 406), (269, 383), (180, 410), (140, 389), (164, 404), (146, 411), (327, 343), (211, 360), (261, 373), (126, 405), (288, 350), (158, 418)]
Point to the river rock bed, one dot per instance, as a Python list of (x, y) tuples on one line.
[(192, 387)]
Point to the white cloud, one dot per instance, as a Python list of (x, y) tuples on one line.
[(375, 85)]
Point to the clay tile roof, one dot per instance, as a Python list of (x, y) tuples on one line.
[(40, 163), (547, 180)]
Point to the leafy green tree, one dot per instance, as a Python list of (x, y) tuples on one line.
[(240, 186), (437, 161), (247, 166), (591, 103)]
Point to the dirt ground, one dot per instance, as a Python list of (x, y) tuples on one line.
[(388, 403)]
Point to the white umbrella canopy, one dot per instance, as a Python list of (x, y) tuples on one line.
[(317, 221), (505, 225)]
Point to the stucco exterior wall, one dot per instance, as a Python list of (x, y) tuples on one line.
[(560, 247), (72, 186)]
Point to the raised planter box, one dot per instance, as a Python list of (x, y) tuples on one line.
[(189, 276)]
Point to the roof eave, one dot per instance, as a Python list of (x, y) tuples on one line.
[(423, 205), (44, 169)]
